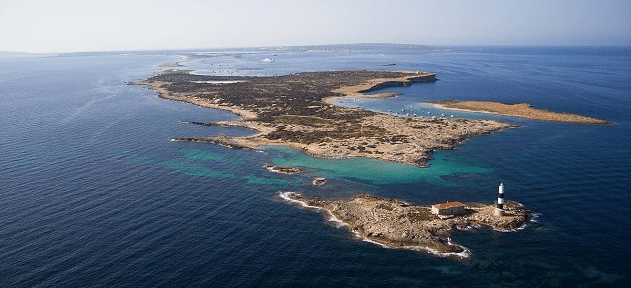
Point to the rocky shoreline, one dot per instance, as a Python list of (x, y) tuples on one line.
[(397, 224), (294, 110)]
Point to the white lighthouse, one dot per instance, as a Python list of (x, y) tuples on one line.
[(499, 210)]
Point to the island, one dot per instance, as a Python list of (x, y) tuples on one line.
[(295, 110), (397, 224), (523, 110)]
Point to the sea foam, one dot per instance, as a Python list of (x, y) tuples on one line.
[(466, 253)]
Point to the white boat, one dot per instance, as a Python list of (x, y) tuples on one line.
[(268, 60)]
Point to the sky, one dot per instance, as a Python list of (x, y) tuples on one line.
[(55, 26)]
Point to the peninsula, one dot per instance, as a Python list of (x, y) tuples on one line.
[(295, 110), (523, 110), (397, 224)]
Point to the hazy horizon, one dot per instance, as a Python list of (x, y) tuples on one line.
[(98, 26), (245, 49)]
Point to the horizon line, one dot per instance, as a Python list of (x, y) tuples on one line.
[(437, 46)]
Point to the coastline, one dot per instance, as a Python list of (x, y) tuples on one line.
[(289, 197), (358, 91), (295, 110), (395, 224)]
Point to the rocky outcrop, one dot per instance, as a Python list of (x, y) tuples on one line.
[(284, 169), (219, 140)]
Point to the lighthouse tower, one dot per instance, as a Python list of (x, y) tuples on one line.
[(499, 210)]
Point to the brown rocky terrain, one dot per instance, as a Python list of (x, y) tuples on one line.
[(293, 110), (397, 224)]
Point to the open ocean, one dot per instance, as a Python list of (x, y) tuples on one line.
[(94, 194)]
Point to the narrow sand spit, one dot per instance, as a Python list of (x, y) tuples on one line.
[(523, 110)]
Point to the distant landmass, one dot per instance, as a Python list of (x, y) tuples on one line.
[(12, 54)]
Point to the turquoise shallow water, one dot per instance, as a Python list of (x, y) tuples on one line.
[(374, 171), (94, 193)]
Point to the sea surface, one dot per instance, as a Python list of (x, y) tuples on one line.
[(94, 194)]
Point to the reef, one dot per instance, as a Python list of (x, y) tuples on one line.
[(284, 169)]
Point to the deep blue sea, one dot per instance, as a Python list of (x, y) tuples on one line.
[(94, 194)]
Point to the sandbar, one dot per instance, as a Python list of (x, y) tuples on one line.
[(523, 110)]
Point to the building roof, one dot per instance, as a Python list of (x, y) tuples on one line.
[(447, 205)]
